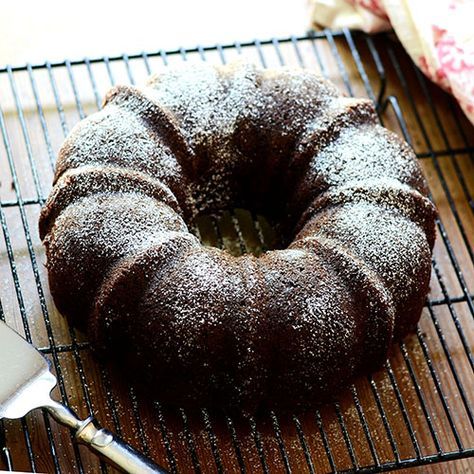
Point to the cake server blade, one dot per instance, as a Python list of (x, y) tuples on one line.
[(25, 384)]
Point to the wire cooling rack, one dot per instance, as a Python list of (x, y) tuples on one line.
[(417, 410)]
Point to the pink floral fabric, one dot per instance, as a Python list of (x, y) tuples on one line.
[(438, 35)]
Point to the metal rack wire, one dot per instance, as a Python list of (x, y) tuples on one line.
[(416, 411)]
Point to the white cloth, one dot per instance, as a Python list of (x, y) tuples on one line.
[(437, 34)]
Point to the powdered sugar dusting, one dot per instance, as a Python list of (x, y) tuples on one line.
[(291, 325)]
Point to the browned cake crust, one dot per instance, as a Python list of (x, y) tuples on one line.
[(203, 327)]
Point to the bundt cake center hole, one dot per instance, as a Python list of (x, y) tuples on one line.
[(238, 231)]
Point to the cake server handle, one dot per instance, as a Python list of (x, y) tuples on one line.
[(102, 442)]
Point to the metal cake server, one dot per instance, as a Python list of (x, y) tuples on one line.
[(25, 384)]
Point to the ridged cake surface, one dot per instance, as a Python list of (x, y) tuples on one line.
[(199, 325)]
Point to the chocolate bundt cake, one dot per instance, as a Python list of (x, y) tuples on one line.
[(199, 325)]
